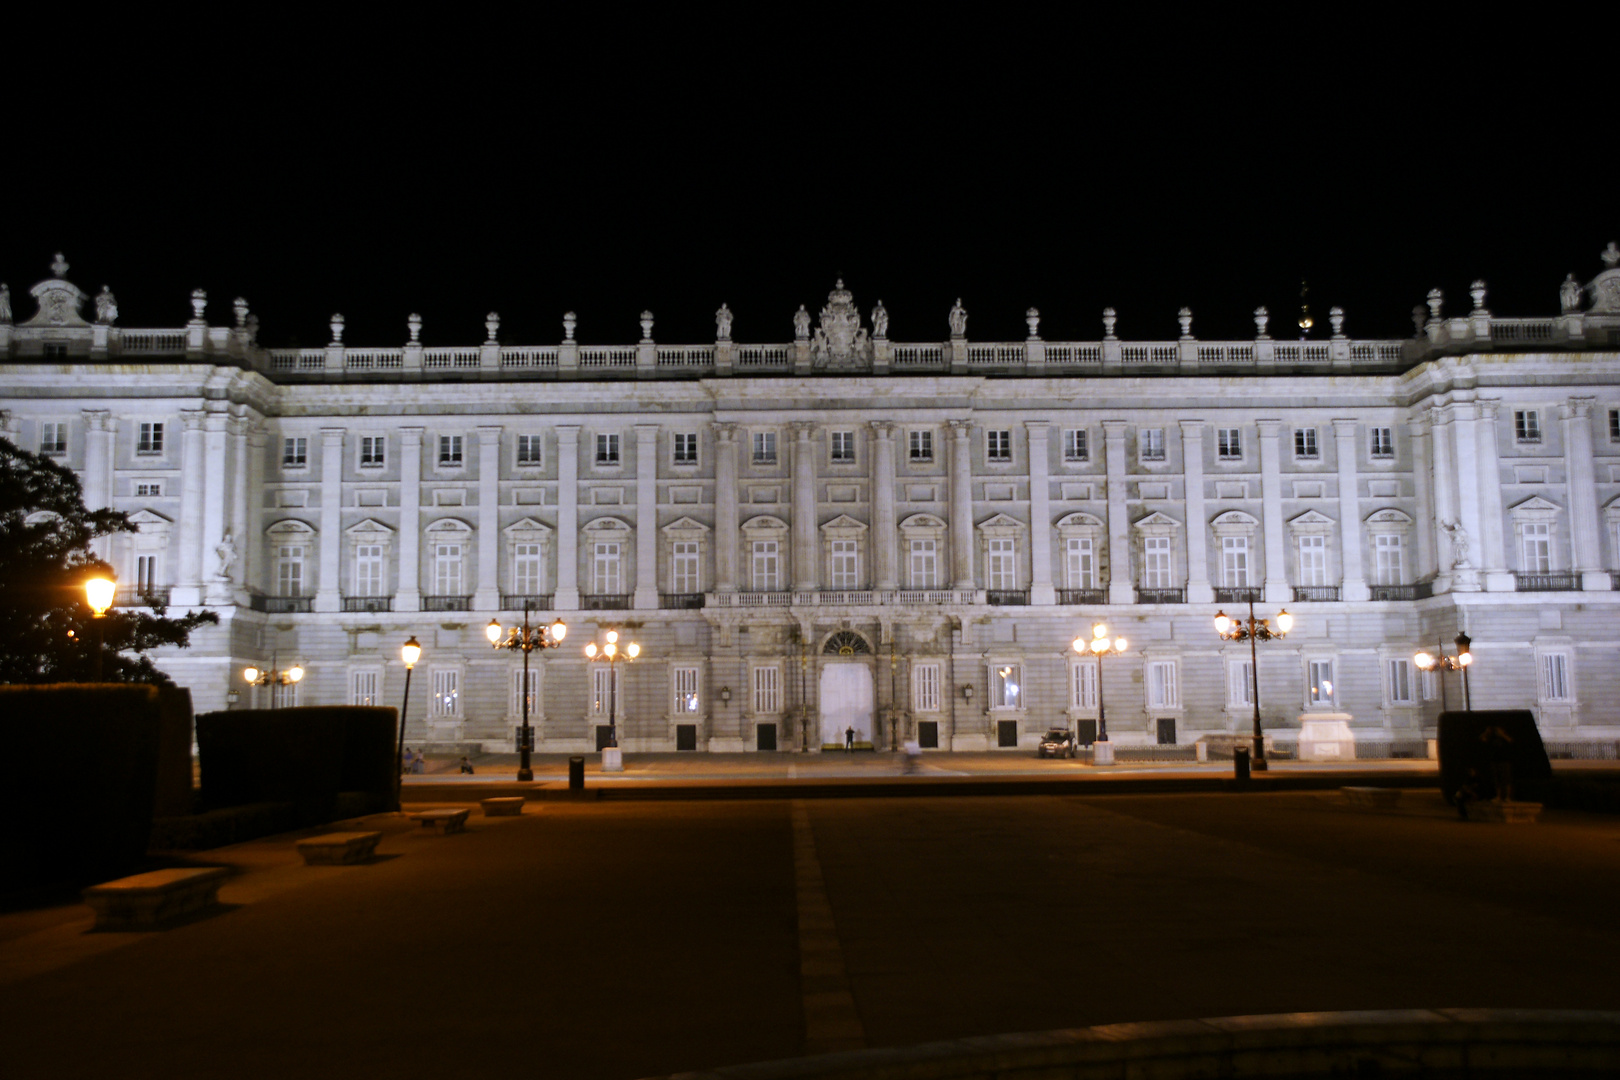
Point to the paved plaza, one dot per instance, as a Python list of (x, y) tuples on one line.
[(625, 938)]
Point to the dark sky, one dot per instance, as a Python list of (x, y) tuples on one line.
[(654, 162)]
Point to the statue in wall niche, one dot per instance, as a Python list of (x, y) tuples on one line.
[(722, 324), (880, 321), (1459, 544), (801, 324), (5, 303), (226, 551), (106, 307), (958, 319), (1569, 295)]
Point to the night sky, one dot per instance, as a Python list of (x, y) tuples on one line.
[(659, 165)]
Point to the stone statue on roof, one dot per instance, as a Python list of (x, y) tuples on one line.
[(880, 321), (106, 307), (801, 324), (840, 341), (722, 324), (958, 319), (1569, 295)]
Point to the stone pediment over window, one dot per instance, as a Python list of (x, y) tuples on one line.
[(1312, 522), (685, 527), (448, 526), (921, 522), (1535, 508), (1234, 523), (1078, 521), (844, 527), (607, 528), (1001, 525), (527, 531), (1157, 524), (370, 531), (765, 523), (150, 521), (1390, 518), (290, 527)]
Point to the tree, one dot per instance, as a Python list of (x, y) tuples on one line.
[(46, 631)]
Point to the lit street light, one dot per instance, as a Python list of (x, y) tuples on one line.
[(610, 654), (98, 592), (409, 654), (273, 677), (1427, 662), (1255, 630), (1099, 646), (525, 639)]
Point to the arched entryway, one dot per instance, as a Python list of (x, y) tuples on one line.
[(846, 695)]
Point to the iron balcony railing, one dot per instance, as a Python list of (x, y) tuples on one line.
[(1007, 597), (280, 605), (1565, 582), (1238, 594), (138, 597), (1421, 590), (605, 602), (680, 600), (446, 603), (1315, 593), (368, 603), (526, 601), (1082, 596), (1161, 596)]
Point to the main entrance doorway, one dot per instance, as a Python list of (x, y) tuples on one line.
[(846, 702)]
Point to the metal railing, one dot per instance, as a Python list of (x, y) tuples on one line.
[(1007, 597), (680, 601), (1562, 582), (1161, 596), (1082, 596), (1421, 590), (135, 596), (526, 601), (280, 605), (446, 603), (1315, 593), (605, 602), (1238, 594), (368, 603)]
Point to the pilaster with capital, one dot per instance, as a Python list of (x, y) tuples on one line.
[(1445, 496), (188, 538), (1464, 419), (409, 595), (805, 547), (328, 591), (1353, 585), (567, 594), (725, 508), (1276, 585), (885, 536), (1040, 513), (98, 468), (961, 505), (1423, 489), (217, 586), (487, 597), (1580, 472), (1493, 539), (241, 426), (1199, 590), (1120, 590), (646, 516)]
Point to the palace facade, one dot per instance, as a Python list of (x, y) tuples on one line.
[(844, 531)]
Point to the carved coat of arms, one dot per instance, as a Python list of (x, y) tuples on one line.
[(841, 343)]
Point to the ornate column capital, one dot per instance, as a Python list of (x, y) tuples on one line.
[(883, 429), (961, 429), (801, 429), (1577, 408), (724, 431)]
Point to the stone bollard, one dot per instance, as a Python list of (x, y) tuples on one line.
[(1240, 763), (576, 774)]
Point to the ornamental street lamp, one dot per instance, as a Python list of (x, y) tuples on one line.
[(273, 677), (1460, 662), (98, 592), (1099, 646), (409, 654), (610, 654), (525, 639), (1255, 630)]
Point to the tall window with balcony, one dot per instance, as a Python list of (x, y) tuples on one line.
[(53, 438), (1079, 563), (1001, 565), (1156, 563), (527, 570), (1074, 445), (764, 448), (1235, 562), (767, 566), (1313, 561), (842, 450), (844, 558), (684, 573), (607, 448), (150, 439), (368, 570), (1536, 545), (530, 452), (447, 575), (294, 452), (924, 565), (373, 451), (450, 451), (290, 570), (607, 577), (1388, 564)]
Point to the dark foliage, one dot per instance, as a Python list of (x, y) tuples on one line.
[(304, 756), (47, 631)]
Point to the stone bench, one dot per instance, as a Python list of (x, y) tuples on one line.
[(443, 821), (505, 806), (156, 897), (339, 848), (1371, 798), (1508, 813)]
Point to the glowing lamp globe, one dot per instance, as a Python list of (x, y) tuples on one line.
[(99, 592), (558, 630), (250, 674), (410, 652), (493, 631)]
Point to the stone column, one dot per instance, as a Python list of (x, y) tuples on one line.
[(1580, 476), (1120, 590), (1445, 496), (885, 535), (1423, 488), (216, 588), (1276, 584), (409, 596), (1498, 578), (328, 593), (725, 508), (1465, 448), (646, 516), (1353, 585), (487, 597), (98, 469), (1040, 515), (961, 505), (567, 594), (805, 548), (1199, 590), (188, 538), (240, 427), (252, 546)]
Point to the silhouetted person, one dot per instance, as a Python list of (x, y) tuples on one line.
[(849, 739), (466, 766)]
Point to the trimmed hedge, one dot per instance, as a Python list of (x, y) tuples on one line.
[(217, 828), (92, 822), (303, 756)]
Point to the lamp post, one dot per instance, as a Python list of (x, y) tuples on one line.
[(409, 654), (273, 677), (525, 639), (98, 592), (1100, 646), (1460, 662), (610, 654), (1255, 630)]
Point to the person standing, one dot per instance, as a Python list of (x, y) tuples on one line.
[(849, 740)]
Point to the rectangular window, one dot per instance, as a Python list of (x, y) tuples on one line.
[(1429, 684), (150, 440), (1074, 445), (450, 450), (290, 570), (767, 690), (447, 569), (1156, 562), (529, 449), (368, 570), (373, 451), (515, 705), (146, 573), (294, 452), (1537, 547), (604, 679), (151, 489), (1163, 693), (684, 568), (526, 570), (286, 695), (843, 447), (607, 449), (921, 445), (1083, 686), (1321, 684), (446, 693), (1398, 673), (1305, 443), (1555, 677), (998, 446), (924, 565), (605, 576), (686, 448), (1240, 683), (1007, 686), (1080, 563), (1235, 561), (1383, 442), (846, 568), (1387, 562), (767, 566), (1614, 425), (1527, 426), (764, 448), (925, 687), (53, 438), (1313, 560), (1152, 444), (1229, 444), (364, 688), (683, 683), (1001, 565)]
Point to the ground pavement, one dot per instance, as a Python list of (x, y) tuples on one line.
[(619, 939)]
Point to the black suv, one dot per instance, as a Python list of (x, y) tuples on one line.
[(1059, 742)]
